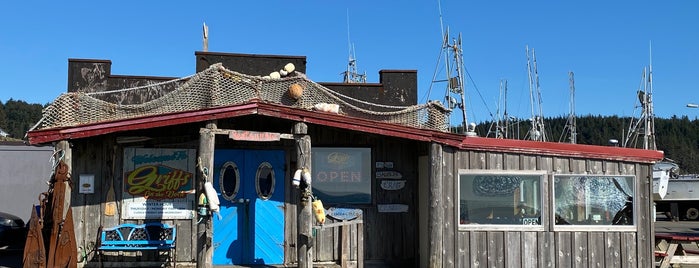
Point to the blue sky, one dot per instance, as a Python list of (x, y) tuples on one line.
[(605, 43)]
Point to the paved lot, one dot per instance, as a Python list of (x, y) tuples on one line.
[(11, 259)]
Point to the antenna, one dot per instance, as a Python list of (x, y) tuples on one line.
[(351, 75), (206, 37), (454, 95), (645, 125), (571, 126)]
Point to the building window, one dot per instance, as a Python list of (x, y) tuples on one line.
[(264, 183), (229, 180), (342, 175), (486, 197), (593, 200)]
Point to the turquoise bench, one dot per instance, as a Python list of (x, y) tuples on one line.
[(139, 237)]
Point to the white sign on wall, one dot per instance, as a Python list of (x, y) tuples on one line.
[(157, 183)]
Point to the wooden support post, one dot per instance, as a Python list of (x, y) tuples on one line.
[(206, 165), (435, 211), (304, 240)]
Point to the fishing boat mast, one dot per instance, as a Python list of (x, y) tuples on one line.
[(645, 125), (570, 128), (538, 130)]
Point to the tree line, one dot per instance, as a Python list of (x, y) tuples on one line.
[(17, 117), (677, 137)]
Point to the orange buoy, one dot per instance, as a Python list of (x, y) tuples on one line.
[(319, 211), (295, 91)]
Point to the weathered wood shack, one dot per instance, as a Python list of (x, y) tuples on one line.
[(398, 189)]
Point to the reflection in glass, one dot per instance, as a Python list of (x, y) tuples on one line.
[(500, 199), (229, 180), (593, 200), (264, 182)]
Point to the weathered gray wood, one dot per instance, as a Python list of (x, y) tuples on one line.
[(580, 255), (477, 160), (345, 246), (644, 209), (595, 166), (612, 249), (479, 249), (511, 162), (450, 193), (513, 249), (495, 160), (360, 243), (595, 249), (561, 164), (291, 195), (530, 249), (628, 247), (496, 254), (564, 250), (545, 163), (463, 259), (528, 162), (207, 144), (436, 214), (547, 250), (305, 217)]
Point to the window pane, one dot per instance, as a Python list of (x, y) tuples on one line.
[(265, 181), (593, 200), (500, 199), (229, 181), (342, 175)]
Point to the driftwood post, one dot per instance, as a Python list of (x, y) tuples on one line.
[(304, 240), (206, 165), (436, 213)]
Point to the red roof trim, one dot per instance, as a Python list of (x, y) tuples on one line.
[(350, 123), (561, 149)]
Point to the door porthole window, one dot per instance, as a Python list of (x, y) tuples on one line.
[(229, 181), (264, 181)]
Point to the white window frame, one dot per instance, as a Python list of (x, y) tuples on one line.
[(504, 227), (590, 227)]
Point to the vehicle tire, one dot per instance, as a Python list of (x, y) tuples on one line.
[(692, 214)]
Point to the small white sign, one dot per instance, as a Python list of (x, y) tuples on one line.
[(87, 184), (392, 185), (158, 210), (392, 208)]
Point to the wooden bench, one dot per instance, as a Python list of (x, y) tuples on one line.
[(670, 249), (139, 237)]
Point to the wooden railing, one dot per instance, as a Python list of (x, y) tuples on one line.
[(340, 243)]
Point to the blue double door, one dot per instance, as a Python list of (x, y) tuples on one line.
[(250, 184)]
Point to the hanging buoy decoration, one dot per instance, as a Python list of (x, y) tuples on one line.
[(211, 196), (295, 91), (289, 67), (319, 211), (296, 180), (306, 175), (202, 205)]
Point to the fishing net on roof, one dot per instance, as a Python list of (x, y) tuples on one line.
[(217, 86)]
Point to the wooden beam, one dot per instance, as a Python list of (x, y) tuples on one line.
[(304, 240), (207, 140), (435, 210)]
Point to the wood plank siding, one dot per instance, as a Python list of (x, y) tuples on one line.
[(479, 247)]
